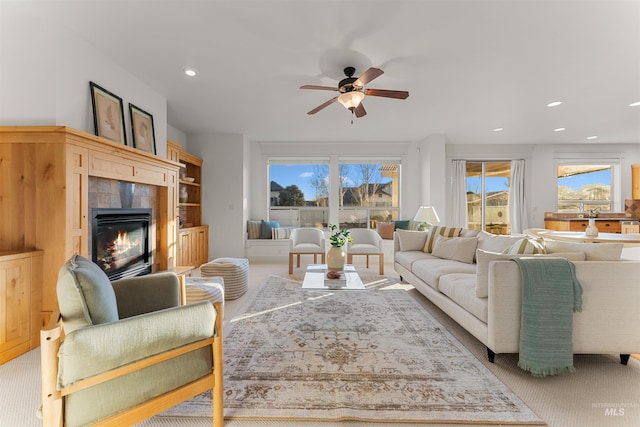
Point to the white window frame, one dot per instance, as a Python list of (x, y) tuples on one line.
[(594, 159)]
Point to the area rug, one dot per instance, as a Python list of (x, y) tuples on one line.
[(374, 355)]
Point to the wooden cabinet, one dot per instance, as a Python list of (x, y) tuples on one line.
[(193, 237), (193, 246), (20, 291), (604, 225)]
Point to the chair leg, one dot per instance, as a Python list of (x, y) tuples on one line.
[(290, 262), (315, 258), (324, 260), (298, 262), (349, 258), (381, 261), (367, 260)]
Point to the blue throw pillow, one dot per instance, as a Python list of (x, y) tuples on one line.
[(266, 227), (402, 225)]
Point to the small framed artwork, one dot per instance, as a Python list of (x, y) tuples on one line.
[(108, 114), (143, 134)]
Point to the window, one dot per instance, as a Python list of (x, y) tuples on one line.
[(488, 196), (299, 192), (583, 187), (368, 192)]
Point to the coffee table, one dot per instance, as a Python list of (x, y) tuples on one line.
[(316, 278)]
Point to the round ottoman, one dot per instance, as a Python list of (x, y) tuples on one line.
[(204, 288), (234, 271)]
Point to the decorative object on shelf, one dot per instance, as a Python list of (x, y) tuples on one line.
[(426, 216), (591, 230), (183, 194), (337, 255), (189, 179), (142, 127), (108, 114)]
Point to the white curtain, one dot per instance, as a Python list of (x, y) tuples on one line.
[(519, 221), (459, 193)]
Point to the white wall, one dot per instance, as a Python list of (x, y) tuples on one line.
[(223, 191), (45, 72)]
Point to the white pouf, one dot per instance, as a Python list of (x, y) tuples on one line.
[(204, 288), (235, 272)]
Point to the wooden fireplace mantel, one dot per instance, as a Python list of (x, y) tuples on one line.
[(44, 172)]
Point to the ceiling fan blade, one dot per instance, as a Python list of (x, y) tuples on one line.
[(398, 94), (360, 111), (314, 87), (367, 76), (320, 107)]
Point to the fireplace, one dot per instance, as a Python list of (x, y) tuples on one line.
[(120, 242)]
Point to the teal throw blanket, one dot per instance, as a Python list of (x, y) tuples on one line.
[(550, 294)]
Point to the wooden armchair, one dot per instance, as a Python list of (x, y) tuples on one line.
[(118, 353)]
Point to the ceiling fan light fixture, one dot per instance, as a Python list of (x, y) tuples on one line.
[(351, 100)]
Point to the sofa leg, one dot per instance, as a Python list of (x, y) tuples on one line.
[(491, 355), (624, 358)]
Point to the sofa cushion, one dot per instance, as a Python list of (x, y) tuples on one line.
[(527, 245), (407, 258), (266, 228), (593, 251), (439, 230), (495, 242), (411, 240), (461, 249), (484, 257), (461, 288), (430, 270), (85, 295), (385, 229)]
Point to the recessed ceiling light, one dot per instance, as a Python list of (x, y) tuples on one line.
[(498, 129), (592, 137), (190, 71), (634, 104), (554, 104), (558, 129)]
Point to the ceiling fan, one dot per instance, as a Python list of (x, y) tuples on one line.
[(352, 91)]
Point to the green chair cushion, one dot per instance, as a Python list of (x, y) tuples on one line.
[(85, 295)]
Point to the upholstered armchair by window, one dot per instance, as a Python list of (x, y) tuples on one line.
[(366, 242), (118, 353), (306, 241)]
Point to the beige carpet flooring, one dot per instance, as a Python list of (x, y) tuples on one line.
[(601, 392)]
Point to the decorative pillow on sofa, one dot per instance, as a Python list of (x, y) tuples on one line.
[(85, 295), (484, 257), (401, 224), (254, 229), (385, 229), (438, 230), (495, 242), (266, 228), (461, 249), (527, 245), (411, 240)]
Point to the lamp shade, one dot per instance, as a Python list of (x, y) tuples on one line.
[(427, 214), (351, 100)]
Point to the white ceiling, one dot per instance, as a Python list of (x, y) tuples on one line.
[(469, 66)]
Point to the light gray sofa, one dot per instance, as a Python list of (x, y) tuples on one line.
[(483, 292)]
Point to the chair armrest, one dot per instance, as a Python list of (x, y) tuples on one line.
[(145, 294), (96, 349)]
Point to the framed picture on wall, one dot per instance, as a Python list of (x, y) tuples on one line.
[(108, 114), (143, 132)]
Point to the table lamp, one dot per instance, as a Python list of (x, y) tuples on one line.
[(426, 215)]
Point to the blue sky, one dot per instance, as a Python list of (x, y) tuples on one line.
[(299, 175), (576, 182)]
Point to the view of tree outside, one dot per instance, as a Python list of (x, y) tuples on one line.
[(300, 193), (584, 187), (488, 207)]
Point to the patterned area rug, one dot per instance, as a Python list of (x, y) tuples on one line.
[(373, 355)]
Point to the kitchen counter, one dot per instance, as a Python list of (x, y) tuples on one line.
[(609, 223)]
